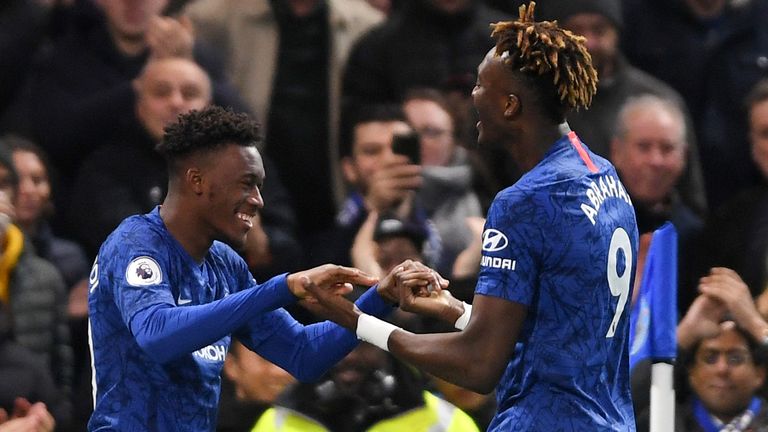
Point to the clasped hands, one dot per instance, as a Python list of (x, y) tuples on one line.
[(414, 286)]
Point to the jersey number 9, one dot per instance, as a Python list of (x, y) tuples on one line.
[(619, 283)]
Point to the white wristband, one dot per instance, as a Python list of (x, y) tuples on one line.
[(463, 320), (374, 331)]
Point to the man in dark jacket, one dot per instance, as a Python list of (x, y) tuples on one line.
[(80, 88), (127, 176), (712, 52)]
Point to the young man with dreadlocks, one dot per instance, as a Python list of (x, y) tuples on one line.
[(549, 324)]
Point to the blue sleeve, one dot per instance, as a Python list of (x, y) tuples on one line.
[(307, 352), (512, 240), (166, 332)]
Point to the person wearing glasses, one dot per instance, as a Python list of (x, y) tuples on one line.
[(722, 343), (446, 191)]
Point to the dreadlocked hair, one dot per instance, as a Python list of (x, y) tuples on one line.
[(554, 58), (207, 129)]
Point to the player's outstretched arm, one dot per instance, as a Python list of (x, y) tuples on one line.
[(166, 332), (474, 358), (307, 352)]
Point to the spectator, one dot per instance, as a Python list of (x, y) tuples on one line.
[(32, 289), (25, 380), (32, 418), (712, 52), (430, 43), (725, 373), (737, 233), (601, 23), (368, 390), (80, 89), (256, 383), (425, 43), (34, 208), (108, 189), (649, 150), (446, 190), (721, 341), (380, 181), (287, 58)]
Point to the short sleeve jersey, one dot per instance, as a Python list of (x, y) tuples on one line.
[(141, 264), (563, 242)]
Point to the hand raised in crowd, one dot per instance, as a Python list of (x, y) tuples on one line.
[(363, 251), (170, 37), (701, 321), (727, 286), (393, 184), (27, 417), (329, 278), (723, 293)]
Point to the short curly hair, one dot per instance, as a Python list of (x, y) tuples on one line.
[(207, 129)]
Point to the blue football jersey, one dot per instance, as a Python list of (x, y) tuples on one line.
[(160, 326), (563, 241), (139, 265)]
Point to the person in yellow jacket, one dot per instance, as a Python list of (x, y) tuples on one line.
[(368, 391)]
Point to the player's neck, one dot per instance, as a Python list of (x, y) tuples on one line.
[(533, 144), (182, 226)]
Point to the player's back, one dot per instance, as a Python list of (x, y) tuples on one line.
[(570, 241)]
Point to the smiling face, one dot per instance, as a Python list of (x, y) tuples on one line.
[(724, 374), (229, 184), (489, 97), (167, 88), (651, 153), (34, 194)]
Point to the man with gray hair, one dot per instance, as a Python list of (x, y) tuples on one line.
[(649, 150)]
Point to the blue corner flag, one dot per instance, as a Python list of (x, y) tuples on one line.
[(653, 317)]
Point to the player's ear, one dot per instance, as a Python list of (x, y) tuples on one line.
[(512, 106), (194, 179)]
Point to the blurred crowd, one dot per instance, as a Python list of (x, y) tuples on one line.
[(341, 88)]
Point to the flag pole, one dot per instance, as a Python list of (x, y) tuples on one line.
[(662, 398)]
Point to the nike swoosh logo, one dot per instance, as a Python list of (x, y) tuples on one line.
[(180, 301)]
